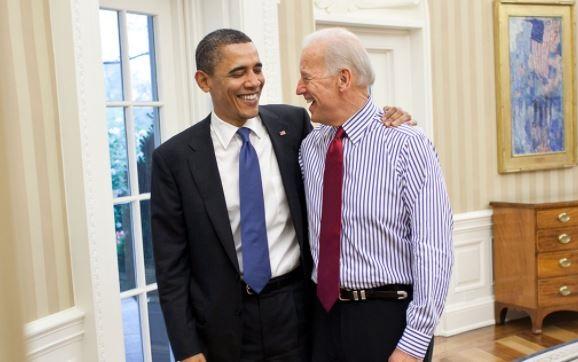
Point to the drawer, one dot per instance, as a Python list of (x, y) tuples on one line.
[(556, 218), (558, 291), (558, 239), (557, 263)]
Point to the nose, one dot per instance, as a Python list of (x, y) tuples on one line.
[(253, 80), (300, 87)]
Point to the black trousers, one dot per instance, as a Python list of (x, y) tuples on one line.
[(364, 331), (277, 325)]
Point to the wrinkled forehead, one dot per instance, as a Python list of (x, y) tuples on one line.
[(312, 59)]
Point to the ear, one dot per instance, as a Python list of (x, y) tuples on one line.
[(344, 79), (203, 80)]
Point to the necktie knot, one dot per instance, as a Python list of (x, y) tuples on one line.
[(244, 133), (340, 133)]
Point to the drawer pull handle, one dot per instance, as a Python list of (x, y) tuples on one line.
[(564, 238), (565, 291), (564, 217), (565, 262)]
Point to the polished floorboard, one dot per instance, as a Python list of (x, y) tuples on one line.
[(507, 342)]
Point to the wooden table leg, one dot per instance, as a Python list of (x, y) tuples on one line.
[(500, 312), (537, 318)]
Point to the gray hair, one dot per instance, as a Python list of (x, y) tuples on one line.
[(343, 50)]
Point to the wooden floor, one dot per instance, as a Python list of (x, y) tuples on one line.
[(506, 342)]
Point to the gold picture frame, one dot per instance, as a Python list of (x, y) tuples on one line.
[(534, 45)]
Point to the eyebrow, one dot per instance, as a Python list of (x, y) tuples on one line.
[(241, 67)]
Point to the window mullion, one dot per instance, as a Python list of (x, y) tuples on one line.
[(134, 187), (134, 103), (125, 59), (145, 330), (127, 199)]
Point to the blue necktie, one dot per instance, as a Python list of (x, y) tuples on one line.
[(256, 265)]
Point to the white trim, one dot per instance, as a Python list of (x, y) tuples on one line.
[(472, 221), (193, 20), (80, 92), (341, 20), (259, 20), (127, 199), (466, 316), (57, 337)]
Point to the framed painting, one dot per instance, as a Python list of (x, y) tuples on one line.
[(534, 43)]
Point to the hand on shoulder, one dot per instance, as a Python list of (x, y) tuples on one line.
[(396, 116)]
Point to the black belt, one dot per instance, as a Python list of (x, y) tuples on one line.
[(277, 282), (388, 292)]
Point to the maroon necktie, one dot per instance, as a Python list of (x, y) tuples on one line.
[(330, 234)]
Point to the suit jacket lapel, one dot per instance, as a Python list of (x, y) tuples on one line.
[(203, 167), (288, 166)]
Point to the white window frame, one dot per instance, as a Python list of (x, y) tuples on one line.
[(167, 104)]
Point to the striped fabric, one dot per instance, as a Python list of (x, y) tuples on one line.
[(396, 215)]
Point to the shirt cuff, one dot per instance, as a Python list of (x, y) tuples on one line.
[(414, 342)]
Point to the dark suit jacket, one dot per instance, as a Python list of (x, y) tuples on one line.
[(198, 276)]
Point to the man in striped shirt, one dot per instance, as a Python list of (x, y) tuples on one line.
[(380, 222)]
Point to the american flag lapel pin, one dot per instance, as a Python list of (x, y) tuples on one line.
[(282, 133)]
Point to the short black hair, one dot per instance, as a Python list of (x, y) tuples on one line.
[(208, 49)]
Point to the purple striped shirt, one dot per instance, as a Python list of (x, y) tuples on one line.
[(396, 215)]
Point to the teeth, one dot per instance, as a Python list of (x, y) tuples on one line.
[(249, 97)]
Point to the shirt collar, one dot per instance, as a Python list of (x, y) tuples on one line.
[(356, 124), (225, 132)]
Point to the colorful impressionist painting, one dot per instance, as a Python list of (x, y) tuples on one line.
[(536, 85)]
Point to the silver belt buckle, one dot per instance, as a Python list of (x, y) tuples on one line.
[(343, 299), (248, 289), (357, 295), (401, 294)]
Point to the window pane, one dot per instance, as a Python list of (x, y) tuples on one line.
[(131, 328), (124, 246), (160, 346), (147, 138), (142, 57), (145, 210), (110, 45), (118, 151)]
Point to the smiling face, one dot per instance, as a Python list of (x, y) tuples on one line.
[(235, 84), (319, 88)]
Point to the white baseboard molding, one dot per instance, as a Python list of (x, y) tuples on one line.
[(57, 337), (463, 317)]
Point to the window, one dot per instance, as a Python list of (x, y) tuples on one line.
[(134, 112)]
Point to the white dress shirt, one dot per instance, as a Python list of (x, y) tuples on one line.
[(283, 246)]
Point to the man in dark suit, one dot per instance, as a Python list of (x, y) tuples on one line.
[(229, 220)]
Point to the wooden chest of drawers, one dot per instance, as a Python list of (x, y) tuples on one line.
[(535, 252)]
